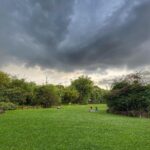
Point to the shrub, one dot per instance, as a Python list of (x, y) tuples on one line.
[(7, 106), (47, 96), (129, 96)]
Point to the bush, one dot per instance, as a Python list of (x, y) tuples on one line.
[(130, 97), (7, 106), (47, 96)]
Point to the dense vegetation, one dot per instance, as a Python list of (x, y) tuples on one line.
[(84, 87), (72, 128), (21, 92), (130, 96)]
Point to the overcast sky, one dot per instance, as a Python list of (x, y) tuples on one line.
[(63, 39)]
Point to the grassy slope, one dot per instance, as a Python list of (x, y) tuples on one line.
[(72, 128)]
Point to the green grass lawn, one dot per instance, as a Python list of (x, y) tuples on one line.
[(72, 128)]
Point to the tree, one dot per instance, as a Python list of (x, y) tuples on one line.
[(97, 95), (47, 96), (129, 96), (84, 87), (20, 91), (70, 95), (4, 84), (61, 89), (4, 80)]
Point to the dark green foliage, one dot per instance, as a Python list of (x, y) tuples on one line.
[(26, 89), (7, 106), (17, 95), (18, 91), (84, 86), (47, 96), (129, 96)]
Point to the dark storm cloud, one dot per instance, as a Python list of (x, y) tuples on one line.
[(32, 29), (75, 34)]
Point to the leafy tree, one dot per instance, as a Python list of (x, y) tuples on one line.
[(129, 96), (70, 95), (84, 87), (16, 95), (97, 95), (4, 84), (21, 92), (4, 80), (61, 89), (47, 96)]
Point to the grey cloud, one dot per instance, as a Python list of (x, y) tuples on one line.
[(75, 34), (119, 43)]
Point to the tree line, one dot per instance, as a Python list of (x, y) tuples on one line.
[(21, 92), (129, 95)]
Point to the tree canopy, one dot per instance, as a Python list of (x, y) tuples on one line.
[(129, 96), (84, 86), (21, 92)]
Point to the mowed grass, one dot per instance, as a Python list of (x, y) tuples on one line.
[(72, 128)]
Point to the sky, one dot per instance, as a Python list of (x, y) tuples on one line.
[(63, 39)]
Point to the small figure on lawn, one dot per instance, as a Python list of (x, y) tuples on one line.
[(91, 109)]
